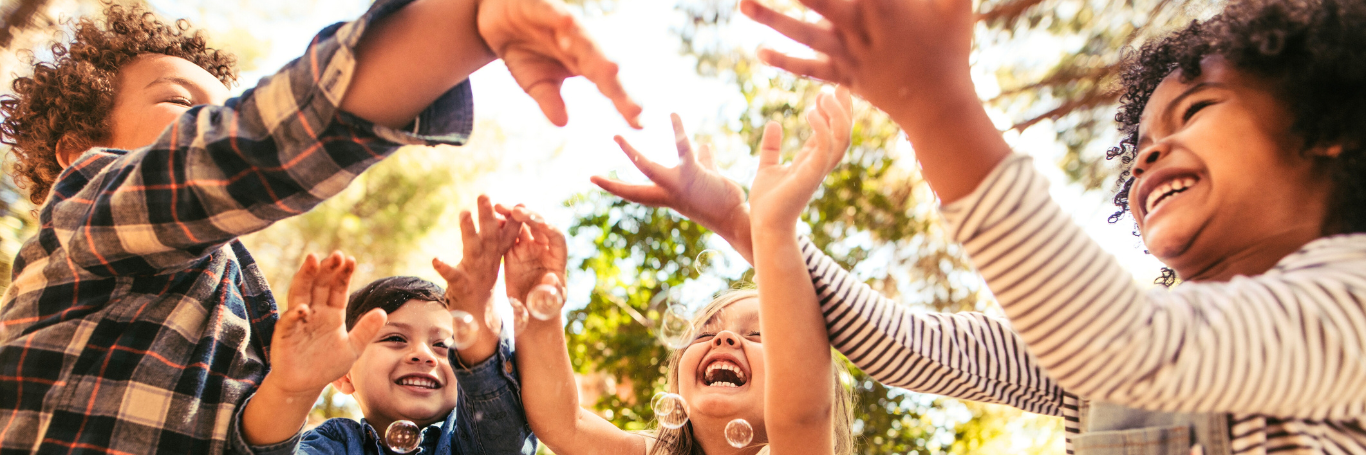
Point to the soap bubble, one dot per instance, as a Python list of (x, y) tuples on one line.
[(464, 329), (671, 410), (402, 436), (675, 327), (544, 302), (710, 259), (519, 315), (739, 433)]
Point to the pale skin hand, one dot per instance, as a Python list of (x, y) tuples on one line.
[(699, 192), (799, 406), (910, 59), (310, 348), (549, 393), (398, 73), (469, 285)]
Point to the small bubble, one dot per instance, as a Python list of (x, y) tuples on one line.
[(402, 436), (544, 302), (709, 259), (671, 410), (464, 329), (519, 315), (739, 433), (675, 327)]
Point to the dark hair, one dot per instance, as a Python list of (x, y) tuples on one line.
[(1313, 54), (389, 294), (68, 101)]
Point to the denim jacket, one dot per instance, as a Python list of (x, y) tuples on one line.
[(488, 418)]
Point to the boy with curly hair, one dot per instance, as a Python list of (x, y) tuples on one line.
[(136, 321)]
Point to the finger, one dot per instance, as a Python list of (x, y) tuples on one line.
[(468, 233), (446, 271), (586, 58), (819, 37), (770, 145), (487, 222), (342, 284), (302, 285), (547, 96), (706, 157), (681, 138), (502, 209), (292, 320), (322, 286), (820, 68), (651, 169), (651, 195), (365, 328), (845, 98), (838, 114)]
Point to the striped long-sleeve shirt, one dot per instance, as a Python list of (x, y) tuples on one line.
[(1282, 353), (136, 322)]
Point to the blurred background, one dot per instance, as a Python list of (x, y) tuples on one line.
[(1046, 69)]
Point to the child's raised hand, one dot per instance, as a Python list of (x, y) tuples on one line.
[(311, 346), (542, 45), (893, 53), (781, 191), (540, 251), (694, 187), (469, 285)]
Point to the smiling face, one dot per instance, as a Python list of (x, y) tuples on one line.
[(153, 90), (405, 374), (1221, 186), (721, 374)]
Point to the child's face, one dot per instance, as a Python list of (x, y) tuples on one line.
[(1219, 176), (405, 374), (721, 375), (153, 90)]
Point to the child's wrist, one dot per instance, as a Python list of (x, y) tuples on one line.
[(273, 385)]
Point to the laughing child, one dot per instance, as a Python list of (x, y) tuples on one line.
[(136, 321)]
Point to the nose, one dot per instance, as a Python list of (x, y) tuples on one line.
[(422, 353), (726, 338), (1145, 158)]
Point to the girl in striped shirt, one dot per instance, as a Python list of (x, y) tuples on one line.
[(1244, 169)]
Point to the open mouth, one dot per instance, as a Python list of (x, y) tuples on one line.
[(1166, 191), (724, 373), (420, 381)]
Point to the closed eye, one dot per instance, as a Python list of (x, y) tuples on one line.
[(393, 339), (183, 101), (1194, 108)]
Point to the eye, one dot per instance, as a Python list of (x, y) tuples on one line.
[(183, 101), (393, 339), (1195, 107), (442, 345), (703, 336), (754, 336)]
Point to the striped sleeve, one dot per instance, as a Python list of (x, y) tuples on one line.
[(970, 356), (1287, 343)]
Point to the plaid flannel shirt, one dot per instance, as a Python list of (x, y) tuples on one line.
[(136, 322)]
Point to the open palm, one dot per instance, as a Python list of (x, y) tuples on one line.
[(311, 346)]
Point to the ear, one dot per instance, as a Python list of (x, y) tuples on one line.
[(344, 385), (69, 147)]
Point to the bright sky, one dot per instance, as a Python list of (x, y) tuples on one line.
[(544, 165)]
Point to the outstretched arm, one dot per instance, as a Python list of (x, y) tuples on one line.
[(549, 391), (799, 405), (469, 285), (310, 348)]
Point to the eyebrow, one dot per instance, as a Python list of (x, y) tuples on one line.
[(183, 82), (1171, 107), (409, 328)]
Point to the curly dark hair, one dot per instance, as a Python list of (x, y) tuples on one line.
[(1313, 52), (65, 104)]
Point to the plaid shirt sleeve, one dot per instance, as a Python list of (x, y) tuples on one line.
[(219, 172)]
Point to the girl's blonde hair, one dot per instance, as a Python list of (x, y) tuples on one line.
[(679, 441)]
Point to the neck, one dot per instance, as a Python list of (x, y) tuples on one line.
[(1255, 259), (712, 438)]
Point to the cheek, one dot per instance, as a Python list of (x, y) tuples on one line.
[(139, 129)]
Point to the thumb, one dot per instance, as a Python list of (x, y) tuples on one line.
[(365, 329), (770, 146), (446, 271)]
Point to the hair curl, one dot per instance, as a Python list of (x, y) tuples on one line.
[(1313, 53), (65, 104)]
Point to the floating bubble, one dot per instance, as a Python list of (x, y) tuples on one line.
[(675, 327), (403, 436), (544, 302), (654, 401), (709, 259), (671, 410), (519, 315), (464, 329), (739, 433)]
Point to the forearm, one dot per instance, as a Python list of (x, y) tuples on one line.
[(736, 232), (797, 360), (551, 398), (409, 59), (968, 356), (274, 415), (955, 141)]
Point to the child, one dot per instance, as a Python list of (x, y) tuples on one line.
[(1242, 132), (136, 321), (783, 379)]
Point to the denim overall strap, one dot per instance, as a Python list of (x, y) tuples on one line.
[(1110, 429)]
